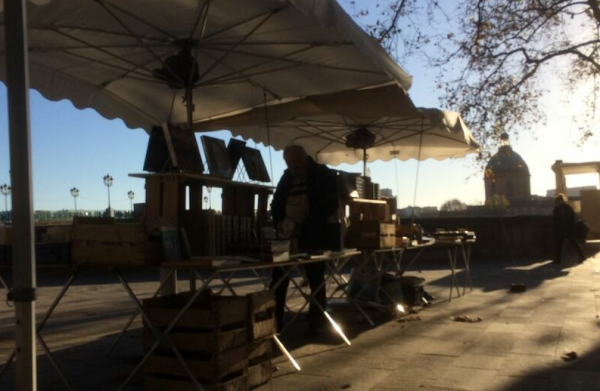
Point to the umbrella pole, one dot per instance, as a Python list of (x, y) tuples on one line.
[(365, 157), (24, 288), (189, 100)]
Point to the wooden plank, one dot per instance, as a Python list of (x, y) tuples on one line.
[(153, 196), (170, 199), (261, 301), (162, 383), (118, 233), (80, 220), (257, 351), (201, 342), (208, 311), (371, 234), (261, 329), (113, 254), (59, 234), (6, 236), (208, 368), (260, 374)]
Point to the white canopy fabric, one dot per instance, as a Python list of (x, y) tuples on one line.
[(103, 54), (321, 124)]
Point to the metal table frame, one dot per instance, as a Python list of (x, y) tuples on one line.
[(224, 274), (455, 246), (76, 271)]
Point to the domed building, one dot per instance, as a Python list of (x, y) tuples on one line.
[(507, 174)]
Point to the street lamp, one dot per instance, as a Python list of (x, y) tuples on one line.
[(209, 189), (5, 190), (75, 194), (108, 181), (131, 195)]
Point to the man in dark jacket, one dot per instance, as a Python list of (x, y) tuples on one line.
[(304, 203), (565, 227)]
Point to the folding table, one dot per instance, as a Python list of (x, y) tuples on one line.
[(454, 246), (76, 270)]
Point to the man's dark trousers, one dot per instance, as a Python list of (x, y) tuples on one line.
[(315, 273)]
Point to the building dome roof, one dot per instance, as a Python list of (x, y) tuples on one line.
[(506, 161)]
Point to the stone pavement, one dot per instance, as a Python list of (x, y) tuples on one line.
[(518, 345)]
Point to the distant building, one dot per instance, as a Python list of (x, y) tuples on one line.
[(507, 174), (417, 211), (386, 193), (573, 193)]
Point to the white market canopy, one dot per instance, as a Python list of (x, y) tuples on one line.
[(322, 123), (136, 59), (106, 55)]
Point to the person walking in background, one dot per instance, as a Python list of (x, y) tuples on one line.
[(565, 227), (305, 200)]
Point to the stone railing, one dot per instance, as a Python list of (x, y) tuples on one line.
[(501, 236)]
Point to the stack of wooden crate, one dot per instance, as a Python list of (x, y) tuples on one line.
[(262, 327), (102, 241), (224, 340), (212, 337)]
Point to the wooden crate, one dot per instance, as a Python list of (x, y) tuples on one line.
[(201, 340), (6, 236), (208, 311), (369, 210), (261, 310), (259, 374), (207, 368), (178, 383), (259, 351), (260, 369), (370, 235), (103, 242), (58, 234)]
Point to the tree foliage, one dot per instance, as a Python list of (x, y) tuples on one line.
[(453, 205), (496, 58), (498, 203)]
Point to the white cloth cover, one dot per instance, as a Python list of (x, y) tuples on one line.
[(101, 54), (321, 123)]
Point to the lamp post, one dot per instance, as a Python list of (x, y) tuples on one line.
[(75, 194), (131, 195), (108, 181), (5, 189), (209, 190)]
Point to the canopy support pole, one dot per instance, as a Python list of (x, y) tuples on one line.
[(24, 288)]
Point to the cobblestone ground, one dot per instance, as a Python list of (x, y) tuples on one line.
[(519, 344)]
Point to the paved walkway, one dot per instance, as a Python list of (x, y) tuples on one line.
[(518, 345)]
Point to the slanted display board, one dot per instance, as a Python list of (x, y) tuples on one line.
[(172, 148), (217, 157), (255, 165), (235, 150)]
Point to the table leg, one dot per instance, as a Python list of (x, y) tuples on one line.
[(124, 330), (3, 283), (351, 300), (311, 298), (39, 328), (466, 254), (192, 280), (452, 255), (226, 284), (162, 336)]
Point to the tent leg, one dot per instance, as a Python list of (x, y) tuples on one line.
[(23, 292)]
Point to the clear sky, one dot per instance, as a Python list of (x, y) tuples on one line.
[(76, 148)]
